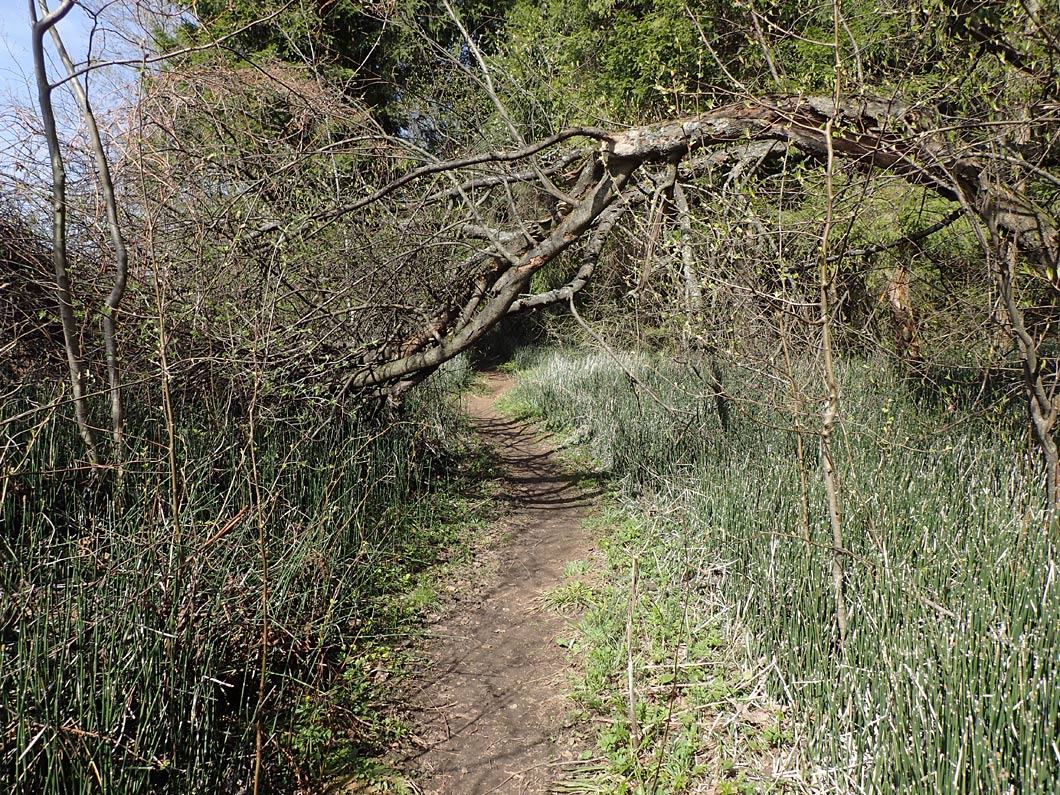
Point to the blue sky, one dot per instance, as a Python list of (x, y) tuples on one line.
[(18, 93), (16, 61), (14, 44)]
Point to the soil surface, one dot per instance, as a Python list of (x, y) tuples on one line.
[(490, 709)]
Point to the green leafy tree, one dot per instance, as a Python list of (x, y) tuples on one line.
[(588, 60), (373, 53)]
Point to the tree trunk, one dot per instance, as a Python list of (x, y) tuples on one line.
[(63, 290), (1042, 403), (121, 257)]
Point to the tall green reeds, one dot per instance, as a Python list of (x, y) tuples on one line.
[(130, 628), (947, 680)]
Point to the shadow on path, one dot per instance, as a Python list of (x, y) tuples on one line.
[(491, 709)]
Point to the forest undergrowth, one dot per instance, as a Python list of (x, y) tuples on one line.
[(134, 616), (712, 658)]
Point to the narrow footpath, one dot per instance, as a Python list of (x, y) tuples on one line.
[(491, 708)]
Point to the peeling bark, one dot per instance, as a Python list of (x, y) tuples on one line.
[(897, 295)]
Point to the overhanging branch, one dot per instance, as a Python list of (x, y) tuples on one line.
[(870, 134)]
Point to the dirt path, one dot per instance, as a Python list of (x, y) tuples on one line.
[(491, 709)]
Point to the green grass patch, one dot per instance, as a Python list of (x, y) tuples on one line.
[(266, 582), (946, 682)]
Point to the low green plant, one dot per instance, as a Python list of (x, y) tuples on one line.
[(946, 680), (571, 596), (256, 587), (577, 568)]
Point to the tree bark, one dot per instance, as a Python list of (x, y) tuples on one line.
[(121, 256), (1042, 402), (63, 289), (871, 134)]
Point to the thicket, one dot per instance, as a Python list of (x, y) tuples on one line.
[(945, 681)]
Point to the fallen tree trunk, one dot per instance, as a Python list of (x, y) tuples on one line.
[(870, 134)]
